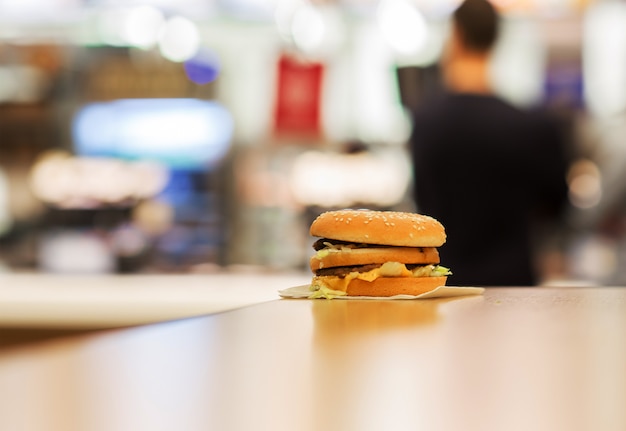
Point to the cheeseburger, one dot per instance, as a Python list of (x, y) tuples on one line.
[(376, 253)]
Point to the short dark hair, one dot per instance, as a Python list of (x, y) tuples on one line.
[(478, 24)]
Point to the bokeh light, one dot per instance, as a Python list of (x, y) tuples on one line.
[(202, 68), (179, 39), (585, 184), (604, 58), (308, 28), (403, 26), (67, 181), (67, 252), (142, 26), (110, 26), (329, 179)]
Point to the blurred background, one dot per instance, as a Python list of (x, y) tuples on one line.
[(201, 135)]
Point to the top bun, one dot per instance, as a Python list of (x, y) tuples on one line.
[(380, 227)]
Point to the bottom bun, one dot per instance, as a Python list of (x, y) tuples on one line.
[(390, 286)]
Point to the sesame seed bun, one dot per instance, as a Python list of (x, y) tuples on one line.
[(380, 227), (388, 286), (363, 256)]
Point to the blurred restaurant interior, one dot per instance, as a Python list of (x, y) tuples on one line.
[(176, 136)]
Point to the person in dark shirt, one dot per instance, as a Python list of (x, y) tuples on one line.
[(483, 167)]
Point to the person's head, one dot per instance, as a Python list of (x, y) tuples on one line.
[(466, 57), (475, 24)]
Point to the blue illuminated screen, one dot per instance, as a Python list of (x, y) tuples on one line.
[(180, 133)]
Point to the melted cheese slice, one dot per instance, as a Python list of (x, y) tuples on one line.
[(389, 269)]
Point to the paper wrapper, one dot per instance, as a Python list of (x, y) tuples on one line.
[(302, 292)]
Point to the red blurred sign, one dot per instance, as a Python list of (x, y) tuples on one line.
[(298, 99)]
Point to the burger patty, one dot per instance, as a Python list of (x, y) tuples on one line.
[(322, 244), (342, 271)]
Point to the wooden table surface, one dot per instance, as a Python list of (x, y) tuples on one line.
[(512, 359)]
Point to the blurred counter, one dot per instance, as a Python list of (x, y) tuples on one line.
[(541, 359), (109, 301)]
